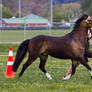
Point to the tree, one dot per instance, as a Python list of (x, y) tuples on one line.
[(17, 15), (57, 16), (11, 4), (66, 12), (85, 4), (6, 12), (71, 10), (36, 6), (89, 11)]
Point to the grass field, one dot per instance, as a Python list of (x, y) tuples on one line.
[(33, 79), (18, 36)]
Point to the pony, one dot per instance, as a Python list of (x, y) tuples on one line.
[(70, 46)]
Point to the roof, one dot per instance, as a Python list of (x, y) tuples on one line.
[(32, 18), (14, 20)]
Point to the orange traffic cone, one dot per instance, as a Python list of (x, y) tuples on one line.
[(9, 72)]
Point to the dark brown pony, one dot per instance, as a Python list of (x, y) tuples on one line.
[(71, 46)]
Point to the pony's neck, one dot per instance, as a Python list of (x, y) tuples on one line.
[(81, 34)]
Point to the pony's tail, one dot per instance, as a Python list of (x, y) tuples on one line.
[(21, 52)]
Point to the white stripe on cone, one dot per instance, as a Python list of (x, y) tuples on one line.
[(10, 63), (10, 53)]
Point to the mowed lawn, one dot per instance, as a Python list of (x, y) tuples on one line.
[(34, 80), (18, 35)]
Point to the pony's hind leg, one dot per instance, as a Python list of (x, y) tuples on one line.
[(43, 59), (28, 62)]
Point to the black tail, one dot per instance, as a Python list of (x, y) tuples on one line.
[(21, 52)]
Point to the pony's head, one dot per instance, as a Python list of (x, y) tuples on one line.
[(85, 21)]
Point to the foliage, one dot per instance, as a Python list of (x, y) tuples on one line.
[(57, 15), (71, 10), (26, 6), (39, 7), (66, 12), (17, 15), (85, 4), (6, 12), (11, 4), (89, 11)]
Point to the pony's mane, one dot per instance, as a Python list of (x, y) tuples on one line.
[(78, 22)]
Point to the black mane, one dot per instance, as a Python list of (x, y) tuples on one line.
[(78, 22)]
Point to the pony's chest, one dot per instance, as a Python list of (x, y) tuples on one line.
[(77, 48), (76, 45)]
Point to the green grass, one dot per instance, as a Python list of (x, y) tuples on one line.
[(18, 36), (33, 79)]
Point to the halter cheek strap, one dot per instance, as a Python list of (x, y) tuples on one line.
[(87, 20), (89, 34)]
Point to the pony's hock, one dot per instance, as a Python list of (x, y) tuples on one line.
[(71, 46)]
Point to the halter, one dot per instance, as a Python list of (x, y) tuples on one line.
[(89, 34), (89, 20)]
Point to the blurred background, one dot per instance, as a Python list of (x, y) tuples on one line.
[(23, 19)]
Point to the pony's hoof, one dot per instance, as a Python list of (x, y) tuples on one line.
[(63, 78), (66, 77), (48, 76)]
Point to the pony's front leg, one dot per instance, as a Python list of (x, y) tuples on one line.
[(84, 63)]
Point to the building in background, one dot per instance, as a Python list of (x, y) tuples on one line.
[(31, 20)]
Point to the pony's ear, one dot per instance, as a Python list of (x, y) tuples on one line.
[(84, 16)]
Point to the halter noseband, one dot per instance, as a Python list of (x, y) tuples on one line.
[(89, 20)]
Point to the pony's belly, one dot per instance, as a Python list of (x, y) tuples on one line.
[(60, 55)]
